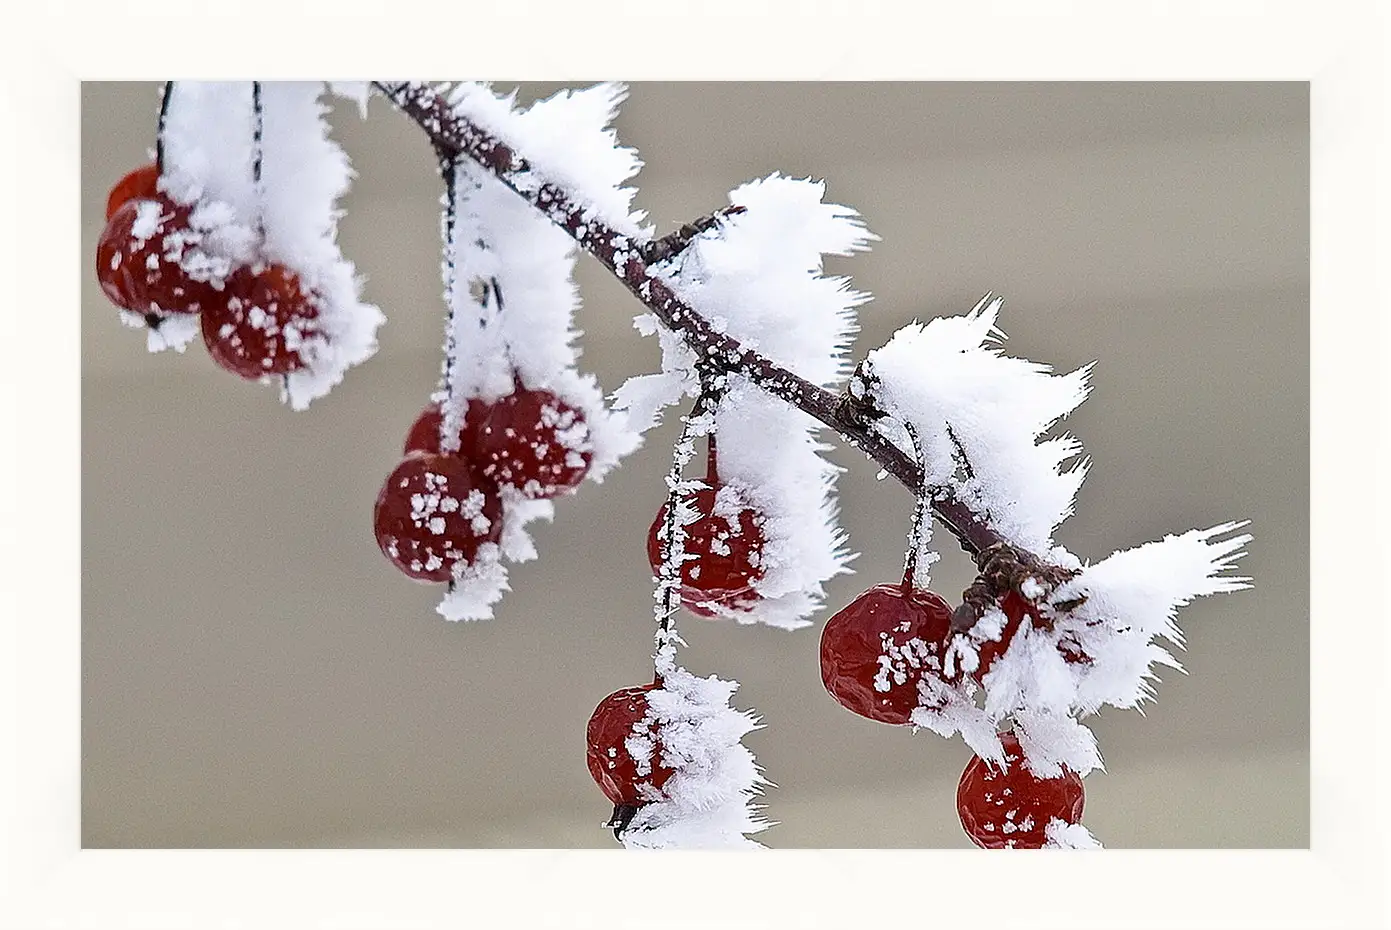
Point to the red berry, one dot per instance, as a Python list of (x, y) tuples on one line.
[(618, 717), (424, 434), (260, 321), (138, 259), (728, 561), (140, 183), (533, 441), (1011, 808), (434, 512), (876, 648)]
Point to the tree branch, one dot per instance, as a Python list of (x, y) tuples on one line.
[(629, 261)]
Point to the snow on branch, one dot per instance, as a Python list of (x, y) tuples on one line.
[(568, 144), (749, 323), (980, 414), (623, 249)]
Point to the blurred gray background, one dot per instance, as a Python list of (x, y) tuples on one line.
[(256, 674)]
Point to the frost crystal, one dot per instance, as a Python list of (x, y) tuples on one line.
[(567, 141), (980, 414), (476, 587), (708, 802), (1059, 834), (175, 331)]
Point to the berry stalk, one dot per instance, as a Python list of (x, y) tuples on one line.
[(920, 527), (674, 550)]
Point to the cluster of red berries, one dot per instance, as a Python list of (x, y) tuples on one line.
[(724, 551), (255, 322), (439, 507), (877, 650)]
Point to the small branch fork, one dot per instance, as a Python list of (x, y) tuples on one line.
[(631, 262)]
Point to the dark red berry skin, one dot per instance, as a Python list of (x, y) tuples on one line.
[(518, 441), (143, 275), (729, 557), (610, 763), (424, 434), (433, 512), (885, 620), (111, 259), (142, 183), (991, 800), (257, 324), (533, 441)]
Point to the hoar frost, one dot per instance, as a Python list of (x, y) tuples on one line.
[(290, 216), (708, 801), (757, 276), (513, 297), (981, 417)]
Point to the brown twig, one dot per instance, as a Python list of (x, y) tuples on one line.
[(629, 260), (659, 250)]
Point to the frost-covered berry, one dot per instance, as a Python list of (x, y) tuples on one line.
[(875, 650), (138, 260), (728, 554), (259, 324), (138, 184), (620, 725), (1010, 808), (434, 512), (531, 440)]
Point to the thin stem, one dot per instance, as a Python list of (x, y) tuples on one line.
[(449, 417), (165, 96), (920, 511), (257, 131), (624, 258), (674, 543)]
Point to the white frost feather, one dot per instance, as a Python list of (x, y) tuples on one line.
[(950, 373), (567, 141), (208, 161), (499, 237), (1131, 600), (708, 802)]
